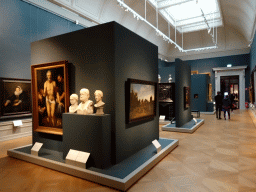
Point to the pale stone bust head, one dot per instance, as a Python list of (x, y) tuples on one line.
[(74, 103), (99, 103), (86, 105), (84, 95)]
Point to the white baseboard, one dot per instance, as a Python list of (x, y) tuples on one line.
[(15, 136)]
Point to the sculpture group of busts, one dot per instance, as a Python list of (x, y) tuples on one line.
[(86, 106)]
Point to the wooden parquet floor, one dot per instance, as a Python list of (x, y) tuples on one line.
[(219, 156)]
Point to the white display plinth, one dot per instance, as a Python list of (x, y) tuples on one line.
[(35, 149), (157, 145)]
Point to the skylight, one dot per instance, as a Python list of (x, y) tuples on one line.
[(190, 15)]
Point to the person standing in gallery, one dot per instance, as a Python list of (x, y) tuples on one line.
[(232, 99), (226, 106), (218, 101)]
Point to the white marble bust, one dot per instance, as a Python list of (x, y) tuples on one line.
[(74, 103), (99, 103), (86, 105)]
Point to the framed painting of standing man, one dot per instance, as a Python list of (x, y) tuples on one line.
[(15, 98), (50, 90)]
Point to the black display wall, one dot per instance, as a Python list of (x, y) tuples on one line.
[(104, 57), (182, 79)]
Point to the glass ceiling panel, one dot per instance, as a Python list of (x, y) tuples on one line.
[(190, 13)]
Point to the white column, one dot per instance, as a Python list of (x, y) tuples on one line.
[(242, 90), (217, 82)]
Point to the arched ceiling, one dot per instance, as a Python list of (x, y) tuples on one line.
[(234, 37)]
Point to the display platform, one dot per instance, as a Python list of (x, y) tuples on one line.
[(120, 176), (208, 112), (189, 127)]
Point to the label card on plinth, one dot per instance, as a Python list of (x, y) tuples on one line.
[(81, 159), (71, 157), (157, 145), (162, 117), (35, 149), (195, 120), (17, 123)]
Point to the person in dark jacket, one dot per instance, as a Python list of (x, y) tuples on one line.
[(218, 100), (226, 106), (232, 100)]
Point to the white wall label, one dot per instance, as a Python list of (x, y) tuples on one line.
[(162, 117), (17, 123)]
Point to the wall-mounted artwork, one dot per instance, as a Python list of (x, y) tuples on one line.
[(15, 98), (166, 92), (186, 97), (141, 102), (50, 89)]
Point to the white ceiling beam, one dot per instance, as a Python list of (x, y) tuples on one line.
[(206, 15), (198, 22), (162, 5)]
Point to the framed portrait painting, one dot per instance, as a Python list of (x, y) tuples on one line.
[(50, 90), (15, 98), (186, 97), (141, 100)]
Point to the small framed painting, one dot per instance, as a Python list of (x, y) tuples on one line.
[(15, 98), (186, 97), (141, 102)]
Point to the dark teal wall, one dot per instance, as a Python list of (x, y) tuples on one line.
[(199, 85), (165, 69), (21, 24), (206, 65), (183, 79), (253, 55)]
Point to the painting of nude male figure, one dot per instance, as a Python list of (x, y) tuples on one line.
[(50, 87)]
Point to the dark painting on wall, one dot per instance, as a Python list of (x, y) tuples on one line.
[(186, 97), (142, 100), (50, 88), (15, 97), (166, 92)]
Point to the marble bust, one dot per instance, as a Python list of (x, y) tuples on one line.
[(170, 78), (99, 103), (74, 103), (86, 105)]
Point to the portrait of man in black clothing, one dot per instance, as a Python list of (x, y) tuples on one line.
[(218, 101)]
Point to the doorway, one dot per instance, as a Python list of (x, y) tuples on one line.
[(230, 85)]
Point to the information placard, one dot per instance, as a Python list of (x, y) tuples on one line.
[(35, 149), (157, 145)]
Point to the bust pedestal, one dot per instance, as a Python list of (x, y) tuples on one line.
[(88, 133)]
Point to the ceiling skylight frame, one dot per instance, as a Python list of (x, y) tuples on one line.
[(211, 30)]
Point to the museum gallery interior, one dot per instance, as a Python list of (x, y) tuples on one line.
[(128, 95)]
